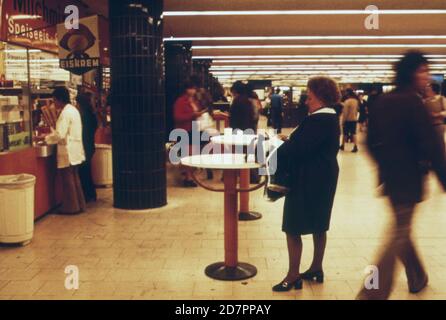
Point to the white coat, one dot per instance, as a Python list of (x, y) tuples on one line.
[(68, 137)]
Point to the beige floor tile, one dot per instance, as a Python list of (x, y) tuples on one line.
[(182, 264), (436, 297), (47, 298), (92, 288), (102, 297), (124, 275), (110, 263), (21, 288), (330, 287), (50, 275), (73, 243), (133, 289), (126, 243), (193, 274), (141, 253), (58, 262), (106, 253), (212, 289), (148, 263), (94, 243), (3, 282), (82, 262), (54, 289), (13, 263), (19, 274), (74, 252), (159, 275)]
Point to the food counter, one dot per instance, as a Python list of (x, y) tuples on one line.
[(27, 77)]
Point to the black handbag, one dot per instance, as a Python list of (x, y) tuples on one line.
[(278, 184)]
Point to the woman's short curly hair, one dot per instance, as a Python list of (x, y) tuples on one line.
[(325, 89)]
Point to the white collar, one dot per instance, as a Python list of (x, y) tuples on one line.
[(324, 110)]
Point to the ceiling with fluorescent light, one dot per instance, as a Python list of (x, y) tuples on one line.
[(292, 40)]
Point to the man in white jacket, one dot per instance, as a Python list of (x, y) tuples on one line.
[(70, 151)]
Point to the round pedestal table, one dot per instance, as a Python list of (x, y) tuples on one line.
[(231, 164), (242, 141)]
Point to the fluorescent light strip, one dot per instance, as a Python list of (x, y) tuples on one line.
[(304, 66), (316, 66), (307, 56), (216, 62), (297, 68), (276, 38), (304, 72), (301, 78), (300, 12), (319, 46)]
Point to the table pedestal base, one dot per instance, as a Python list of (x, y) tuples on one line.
[(219, 271), (245, 214), (249, 216)]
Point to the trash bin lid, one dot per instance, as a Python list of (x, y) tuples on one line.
[(17, 181)]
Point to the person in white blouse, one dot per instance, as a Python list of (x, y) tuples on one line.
[(70, 151)]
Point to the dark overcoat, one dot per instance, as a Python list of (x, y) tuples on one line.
[(402, 140), (311, 153)]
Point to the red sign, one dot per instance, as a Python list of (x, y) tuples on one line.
[(32, 23)]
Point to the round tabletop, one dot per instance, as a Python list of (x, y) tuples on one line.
[(234, 140), (222, 161)]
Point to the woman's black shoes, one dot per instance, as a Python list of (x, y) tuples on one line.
[(318, 276), (287, 286)]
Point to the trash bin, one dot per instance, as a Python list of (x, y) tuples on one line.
[(102, 166), (17, 208)]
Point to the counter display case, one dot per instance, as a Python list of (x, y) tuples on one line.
[(15, 127)]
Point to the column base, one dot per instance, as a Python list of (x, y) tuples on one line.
[(249, 216), (219, 271)]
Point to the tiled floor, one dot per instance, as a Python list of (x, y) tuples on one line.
[(161, 254)]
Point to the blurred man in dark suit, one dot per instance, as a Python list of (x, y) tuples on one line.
[(403, 142)]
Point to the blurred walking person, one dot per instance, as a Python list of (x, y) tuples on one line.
[(436, 104), (363, 113), (185, 112), (89, 127), (403, 142), (243, 114), (350, 120), (277, 111)]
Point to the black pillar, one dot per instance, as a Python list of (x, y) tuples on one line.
[(137, 104), (178, 69), (201, 70)]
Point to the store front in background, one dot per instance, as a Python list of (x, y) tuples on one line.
[(29, 72)]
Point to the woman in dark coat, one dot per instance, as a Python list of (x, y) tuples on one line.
[(89, 127), (311, 156), (243, 114)]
